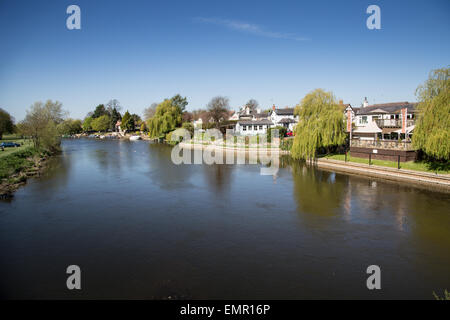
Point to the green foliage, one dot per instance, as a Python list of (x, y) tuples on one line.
[(127, 122), (6, 123), (286, 144), (445, 297), (167, 117), (100, 110), (432, 131), (101, 123), (40, 124), (114, 117), (137, 121), (179, 102), (189, 127), (16, 162), (143, 127), (320, 124), (87, 124), (281, 132), (70, 126), (50, 138)]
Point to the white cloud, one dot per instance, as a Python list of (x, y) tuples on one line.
[(249, 28)]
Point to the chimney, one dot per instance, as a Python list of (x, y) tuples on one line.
[(341, 102), (273, 107)]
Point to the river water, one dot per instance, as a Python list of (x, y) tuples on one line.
[(142, 227)]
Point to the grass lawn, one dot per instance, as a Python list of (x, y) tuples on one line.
[(410, 165), (25, 144)]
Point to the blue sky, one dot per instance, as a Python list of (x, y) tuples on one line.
[(141, 52)]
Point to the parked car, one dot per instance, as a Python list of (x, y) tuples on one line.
[(9, 145)]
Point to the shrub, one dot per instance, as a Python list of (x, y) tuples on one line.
[(286, 144)]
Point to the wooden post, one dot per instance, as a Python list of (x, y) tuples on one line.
[(345, 156), (398, 163), (370, 158)]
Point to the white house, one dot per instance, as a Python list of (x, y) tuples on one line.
[(386, 114), (253, 127), (383, 120), (283, 117)]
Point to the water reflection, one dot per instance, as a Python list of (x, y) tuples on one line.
[(219, 231), (218, 178), (315, 191), (163, 171)]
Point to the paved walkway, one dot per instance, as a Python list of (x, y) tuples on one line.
[(442, 180)]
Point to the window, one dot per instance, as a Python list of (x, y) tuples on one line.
[(244, 128), (363, 119), (255, 127), (260, 127)]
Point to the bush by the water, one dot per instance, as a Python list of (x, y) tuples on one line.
[(286, 144), (17, 162)]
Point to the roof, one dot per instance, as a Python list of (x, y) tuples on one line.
[(370, 128), (284, 112), (392, 107), (261, 115), (256, 122), (287, 120)]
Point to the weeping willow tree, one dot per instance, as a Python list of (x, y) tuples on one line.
[(320, 125), (168, 116), (432, 131)]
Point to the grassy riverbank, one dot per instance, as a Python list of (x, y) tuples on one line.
[(410, 165), (25, 144), (18, 164)]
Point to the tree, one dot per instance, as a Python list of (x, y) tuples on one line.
[(113, 108), (150, 111), (6, 123), (432, 130), (127, 122), (87, 124), (113, 104), (180, 102), (218, 108), (189, 127), (101, 123), (40, 123), (320, 124), (99, 111), (252, 104), (114, 116), (70, 126), (168, 116), (136, 119), (281, 132)]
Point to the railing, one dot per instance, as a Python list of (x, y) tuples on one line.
[(393, 123), (382, 144)]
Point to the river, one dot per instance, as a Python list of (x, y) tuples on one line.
[(141, 227)]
